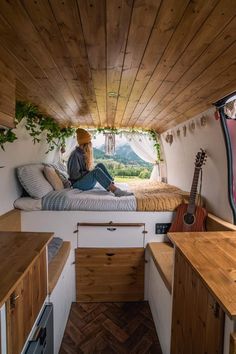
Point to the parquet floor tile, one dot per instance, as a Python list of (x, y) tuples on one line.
[(110, 328)]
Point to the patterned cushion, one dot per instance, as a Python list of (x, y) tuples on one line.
[(33, 181), (53, 178), (62, 173)]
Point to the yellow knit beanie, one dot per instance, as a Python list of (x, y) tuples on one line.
[(83, 137)]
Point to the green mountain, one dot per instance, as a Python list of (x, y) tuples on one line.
[(124, 154)]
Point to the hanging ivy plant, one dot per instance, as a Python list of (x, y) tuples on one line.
[(37, 123), (6, 136), (157, 144)]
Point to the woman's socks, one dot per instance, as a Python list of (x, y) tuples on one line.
[(120, 193)]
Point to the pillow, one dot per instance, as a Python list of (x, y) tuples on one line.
[(33, 181), (53, 178), (62, 173), (53, 247), (28, 204)]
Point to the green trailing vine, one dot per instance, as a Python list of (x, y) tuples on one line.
[(157, 144), (6, 136), (152, 133), (37, 123)]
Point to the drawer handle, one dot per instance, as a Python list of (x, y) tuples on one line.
[(110, 254), (111, 228), (13, 299)]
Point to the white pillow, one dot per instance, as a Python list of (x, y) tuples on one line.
[(28, 204), (33, 181)]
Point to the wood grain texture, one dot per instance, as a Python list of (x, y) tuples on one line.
[(198, 326), (7, 95), (104, 274), (163, 257), (119, 328), (212, 255), (18, 251), (214, 223), (11, 221), (164, 61), (178, 224), (25, 302)]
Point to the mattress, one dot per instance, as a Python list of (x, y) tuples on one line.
[(148, 196), (157, 196), (96, 199)]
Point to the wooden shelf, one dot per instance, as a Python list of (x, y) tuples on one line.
[(212, 255), (163, 257), (57, 264), (18, 250)]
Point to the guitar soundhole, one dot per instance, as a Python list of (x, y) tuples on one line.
[(189, 219)]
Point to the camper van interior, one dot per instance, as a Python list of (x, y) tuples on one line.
[(90, 261)]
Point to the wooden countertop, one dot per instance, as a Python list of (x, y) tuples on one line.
[(213, 256), (18, 250)]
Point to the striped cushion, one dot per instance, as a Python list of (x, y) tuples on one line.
[(33, 181)]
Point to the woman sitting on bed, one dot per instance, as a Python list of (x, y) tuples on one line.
[(80, 168)]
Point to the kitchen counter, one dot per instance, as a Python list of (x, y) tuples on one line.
[(213, 256), (18, 250)]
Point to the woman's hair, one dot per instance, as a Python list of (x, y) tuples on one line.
[(88, 154)]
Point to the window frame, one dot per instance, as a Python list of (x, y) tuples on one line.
[(223, 118)]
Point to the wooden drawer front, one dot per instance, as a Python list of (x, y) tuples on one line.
[(197, 319), (109, 274), (25, 303)]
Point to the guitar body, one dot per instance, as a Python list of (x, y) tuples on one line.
[(179, 225)]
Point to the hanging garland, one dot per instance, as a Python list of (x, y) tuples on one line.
[(152, 133), (37, 123)]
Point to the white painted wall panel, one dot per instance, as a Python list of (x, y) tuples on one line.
[(180, 158), (21, 151), (160, 301)]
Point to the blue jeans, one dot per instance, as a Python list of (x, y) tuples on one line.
[(98, 174)]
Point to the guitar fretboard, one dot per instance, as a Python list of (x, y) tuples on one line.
[(193, 193)]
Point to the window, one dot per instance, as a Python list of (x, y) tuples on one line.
[(227, 110)]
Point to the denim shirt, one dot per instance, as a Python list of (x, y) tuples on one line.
[(76, 165)]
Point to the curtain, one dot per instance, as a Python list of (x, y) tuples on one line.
[(71, 143), (143, 146)]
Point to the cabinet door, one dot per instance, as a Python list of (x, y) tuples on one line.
[(197, 319), (109, 274), (25, 303)]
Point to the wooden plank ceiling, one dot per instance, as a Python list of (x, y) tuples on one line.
[(120, 63)]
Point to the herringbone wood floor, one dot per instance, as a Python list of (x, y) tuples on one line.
[(109, 328)]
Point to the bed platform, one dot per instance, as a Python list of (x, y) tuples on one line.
[(148, 196)]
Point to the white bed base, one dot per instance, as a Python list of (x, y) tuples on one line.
[(64, 225)]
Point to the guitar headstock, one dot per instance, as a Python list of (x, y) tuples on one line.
[(200, 158)]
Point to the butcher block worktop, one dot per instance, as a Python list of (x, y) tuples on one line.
[(213, 256), (18, 250)]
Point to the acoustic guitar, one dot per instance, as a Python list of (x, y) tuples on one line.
[(190, 217)]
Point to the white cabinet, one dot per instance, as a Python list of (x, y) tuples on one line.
[(62, 296), (160, 301)]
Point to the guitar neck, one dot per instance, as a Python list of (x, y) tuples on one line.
[(193, 193)]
